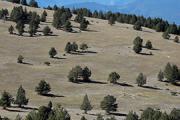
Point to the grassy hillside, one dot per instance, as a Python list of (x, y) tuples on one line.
[(111, 48)]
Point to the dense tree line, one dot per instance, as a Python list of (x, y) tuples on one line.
[(32, 3), (158, 24)]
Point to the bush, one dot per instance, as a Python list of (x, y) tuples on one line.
[(149, 45), (176, 39), (141, 80), (20, 59), (43, 88), (113, 77), (47, 63), (52, 52), (47, 31)]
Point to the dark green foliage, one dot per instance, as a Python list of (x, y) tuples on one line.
[(52, 52), (99, 117), (21, 97), (86, 74), (176, 39), (50, 105), (132, 116), (83, 24), (33, 3), (43, 17), (47, 31), (43, 88), (171, 73), (111, 20), (79, 17), (3, 13), (137, 44), (160, 76), (20, 59), (68, 47), (109, 104), (83, 118), (166, 35), (83, 46), (137, 26), (11, 29), (75, 74), (71, 47), (148, 45), (20, 27), (86, 105), (6, 100), (175, 114), (113, 77), (74, 47), (67, 26), (141, 80)]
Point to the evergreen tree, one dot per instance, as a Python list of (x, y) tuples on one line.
[(86, 73), (74, 46), (68, 47), (132, 116), (11, 29), (99, 117), (160, 76), (109, 104), (20, 59), (47, 30), (83, 46), (111, 20), (137, 44), (166, 35), (79, 18), (175, 114), (137, 26), (6, 100), (33, 3), (43, 88), (83, 118), (50, 105), (52, 52), (68, 26), (147, 114), (141, 80), (176, 39), (21, 97), (113, 77), (149, 45), (83, 24), (86, 105), (75, 74), (20, 27)]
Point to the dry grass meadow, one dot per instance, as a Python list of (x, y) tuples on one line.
[(113, 45)]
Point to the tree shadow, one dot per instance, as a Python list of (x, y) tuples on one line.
[(150, 87), (147, 31), (124, 84), (93, 82), (10, 110), (59, 58), (26, 63), (118, 114), (148, 54), (25, 107), (76, 53), (91, 52), (154, 49), (176, 84), (90, 30), (52, 95)]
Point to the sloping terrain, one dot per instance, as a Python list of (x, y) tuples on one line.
[(111, 48)]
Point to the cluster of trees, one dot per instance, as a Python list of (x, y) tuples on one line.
[(83, 22), (32, 3), (61, 19), (152, 114), (6, 98), (78, 73), (158, 24), (138, 45), (4, 13), (171, 73), (73, 47), (22, 17), (167, 36)]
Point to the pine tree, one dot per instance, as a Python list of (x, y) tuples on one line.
[(166, 35), (83, 24), (137, 26), (83, 118), (20, 59), (11, 29), (175, 114), (113, 77), (21, 97), (6, 100), (86, 73), (43, 88), (52, 52), (68, 47), (132, 116), (68, 26), (160, 76), (141, 80), (169, 73), (74, 46), (86, 105), (109, 104), (149, 45), (137, 44), (83, 46), (50, 105), (20, 27), (47, 30), (111, 20), (75, 74), (176, 39), (43, 17)]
